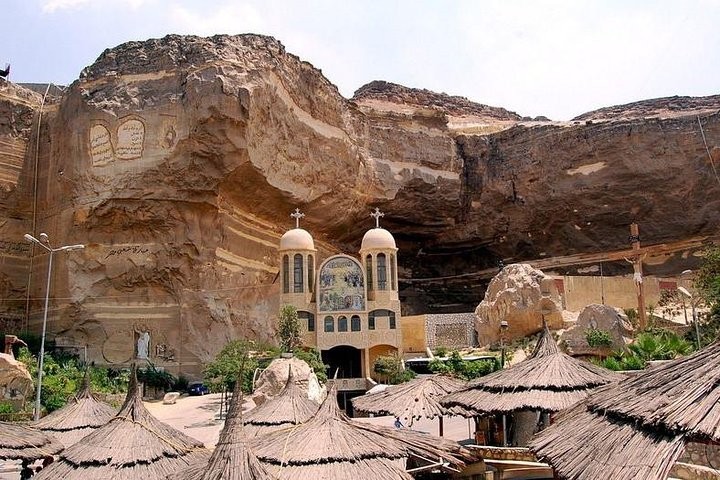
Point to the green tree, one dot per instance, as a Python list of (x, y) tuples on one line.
[(390, 369), (289, 329), (233, 358), (312, 358)]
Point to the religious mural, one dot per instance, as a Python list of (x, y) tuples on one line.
[(342, 286)]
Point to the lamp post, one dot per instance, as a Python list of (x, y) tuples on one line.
[(503, 329), (685, 292), (44, 242)]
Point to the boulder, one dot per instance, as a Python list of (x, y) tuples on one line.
[(16, 384), (520, 295), (272, 380), (600, 317), (170, 398)]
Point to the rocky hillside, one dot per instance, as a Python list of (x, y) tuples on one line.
[(178, 160)]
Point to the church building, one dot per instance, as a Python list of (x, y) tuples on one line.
[(348, 306)]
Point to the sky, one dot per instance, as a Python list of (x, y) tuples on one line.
[(557, 58)]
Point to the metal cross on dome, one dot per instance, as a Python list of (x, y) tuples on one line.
[(297, 215), (376, 215)]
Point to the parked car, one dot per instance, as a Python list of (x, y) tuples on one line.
[(197, 388)]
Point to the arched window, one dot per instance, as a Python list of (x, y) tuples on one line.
[(381, 271), (311, 274), (355, 323), (392, 272), (389, 314), (342, 323), (392, 320), (307, 318), (371, 320), (329, 324), (286, 274), (369, 270), (298, 273)]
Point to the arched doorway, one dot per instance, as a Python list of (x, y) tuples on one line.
[(345, 359)]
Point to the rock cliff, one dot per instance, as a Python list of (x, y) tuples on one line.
[(177, 160)]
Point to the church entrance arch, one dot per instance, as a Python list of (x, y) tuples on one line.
[(345, 359)]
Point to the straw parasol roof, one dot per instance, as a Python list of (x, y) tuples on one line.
[(416, 399), (19, 442), (548, 381), (83, 414), (232, 459), (132, 445), (291, 407), (331, 445), (638, 428)]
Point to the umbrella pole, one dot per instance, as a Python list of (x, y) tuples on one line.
[(504, 423), (441, 425)]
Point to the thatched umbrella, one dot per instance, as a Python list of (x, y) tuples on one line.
[(413, 400), (638, 428), (548, 381), (132, 445), (82, 414), (331, 445), (19, 442), (291, 407), (232, 458)]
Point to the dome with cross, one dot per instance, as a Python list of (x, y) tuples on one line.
[(378, 238), (297, 238)]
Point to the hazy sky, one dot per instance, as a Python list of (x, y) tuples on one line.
[(557, 58)]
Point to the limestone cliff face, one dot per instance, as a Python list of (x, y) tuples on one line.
[(178, 160)]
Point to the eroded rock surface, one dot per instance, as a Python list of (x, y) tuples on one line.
[(177, 160), (522, 296), (599, 317), (273, 379), (16, 384)]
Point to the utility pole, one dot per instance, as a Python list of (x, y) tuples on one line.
[(638, 274)]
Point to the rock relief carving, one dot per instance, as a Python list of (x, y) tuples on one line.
[(130, 139), (129, 142), (101, 149)]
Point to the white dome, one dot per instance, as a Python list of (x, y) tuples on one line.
[(297, 239), (378, 238)]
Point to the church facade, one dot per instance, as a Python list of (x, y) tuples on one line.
[(348, 305)]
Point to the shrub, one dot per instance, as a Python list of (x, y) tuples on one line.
[(390, 369), (465, 369), (441, 352), (159, 379), (6, 407), (598, 338)]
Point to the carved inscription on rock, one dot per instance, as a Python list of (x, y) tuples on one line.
[(130, 139), (101, 149)]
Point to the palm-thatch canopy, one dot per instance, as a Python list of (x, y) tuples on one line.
[(331, 445), (413, 400), (638, 428), (548, 381), (291, 407), (232, 458), (19, 442), (82, 414), (132, 445)]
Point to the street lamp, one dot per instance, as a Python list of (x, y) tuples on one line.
[(503, 329), (44, 242), (685, 292)]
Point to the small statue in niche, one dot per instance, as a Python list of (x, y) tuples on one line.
[(143, 345)]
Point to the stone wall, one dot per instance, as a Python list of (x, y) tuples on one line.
[(451, 330)]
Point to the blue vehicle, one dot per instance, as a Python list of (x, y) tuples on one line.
[(197, 388)]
